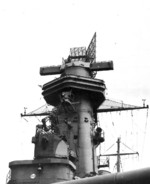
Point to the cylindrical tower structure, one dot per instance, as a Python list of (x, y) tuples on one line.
[(77, 95), (66, 148), (86, 157)]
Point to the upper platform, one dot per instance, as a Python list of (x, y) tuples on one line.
[(77, 74), (94, 88)]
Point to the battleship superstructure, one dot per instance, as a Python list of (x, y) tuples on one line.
[(65, 149)]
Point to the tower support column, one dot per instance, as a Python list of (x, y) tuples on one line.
[(85, 163)]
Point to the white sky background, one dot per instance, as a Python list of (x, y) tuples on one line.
[(39, 33)]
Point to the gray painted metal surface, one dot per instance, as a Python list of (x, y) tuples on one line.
[(66, 148), (141, 176)]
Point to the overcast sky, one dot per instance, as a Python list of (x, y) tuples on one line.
[(39, 33)]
